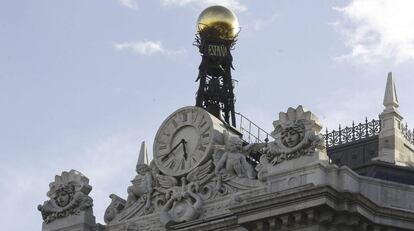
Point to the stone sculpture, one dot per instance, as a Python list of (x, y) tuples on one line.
[(142, 185), (296, 134), (181, 207), (184, 203), (116, 206), (232, 162), (68, 195)]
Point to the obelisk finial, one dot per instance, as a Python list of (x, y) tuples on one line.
[(143, 155), (390, 96)]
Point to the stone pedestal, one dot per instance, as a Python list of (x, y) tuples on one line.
[(84, 221), (319, 156)]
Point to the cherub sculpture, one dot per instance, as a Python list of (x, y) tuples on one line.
[(232, 161), (68, 195), (142, 185)]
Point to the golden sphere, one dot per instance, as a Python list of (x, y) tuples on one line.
[(221, 21)]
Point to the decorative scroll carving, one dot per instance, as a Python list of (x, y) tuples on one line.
[(68, 195), (353, 133), (296, 134), (116, 206)]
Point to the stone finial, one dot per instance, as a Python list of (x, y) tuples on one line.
[(390, 96), (143, 155)]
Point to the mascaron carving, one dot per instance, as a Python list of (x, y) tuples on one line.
[(296, 134), (68, 195)]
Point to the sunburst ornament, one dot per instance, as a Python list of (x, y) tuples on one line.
[(296, 133), (73, 178)]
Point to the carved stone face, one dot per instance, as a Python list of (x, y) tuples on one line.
[(291, 136), (62, 198)]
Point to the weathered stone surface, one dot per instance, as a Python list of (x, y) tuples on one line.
[(69, 203), (340, 189), (82, 221), (297, 142), (296, 189)]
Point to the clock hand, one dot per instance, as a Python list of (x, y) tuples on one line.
[(173, 149), (184, 149)]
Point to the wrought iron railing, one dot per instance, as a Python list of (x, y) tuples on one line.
[(251, 132), (353, 133), (407, 133)]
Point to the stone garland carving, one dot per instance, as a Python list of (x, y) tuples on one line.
[(296, 134), (68, 195)]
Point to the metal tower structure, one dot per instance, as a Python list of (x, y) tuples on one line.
[(216, 37)]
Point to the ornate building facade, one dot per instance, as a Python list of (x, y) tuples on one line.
[(208, 174)]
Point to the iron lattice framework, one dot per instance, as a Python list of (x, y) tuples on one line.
[(215, 92), (407, 133), (353, 133)]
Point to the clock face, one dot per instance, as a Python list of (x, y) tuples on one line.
[(184, 141)]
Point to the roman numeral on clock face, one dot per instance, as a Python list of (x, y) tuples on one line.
[(202, 148), (163, 146), (182, 164), (194, 115), (183, 116), (170, 164), (174, 123)]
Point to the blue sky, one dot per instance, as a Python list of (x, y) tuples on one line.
[(82, 83)]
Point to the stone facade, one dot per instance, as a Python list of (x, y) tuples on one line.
[(293, 186)]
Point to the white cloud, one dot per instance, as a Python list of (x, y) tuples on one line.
[(146, 48), (377, 30), (141, 47), (232, 4), (261, 23), (133, 4)]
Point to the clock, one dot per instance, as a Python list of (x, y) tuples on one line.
[(186, 139)]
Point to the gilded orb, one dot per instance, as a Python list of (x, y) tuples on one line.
[(218, 21)]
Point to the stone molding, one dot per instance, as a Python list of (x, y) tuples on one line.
[(378, 203)]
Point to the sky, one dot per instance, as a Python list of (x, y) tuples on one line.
[(83, 83)]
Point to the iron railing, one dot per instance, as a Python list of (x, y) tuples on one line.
[(251, 132), (407, 133), (353, 133)]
